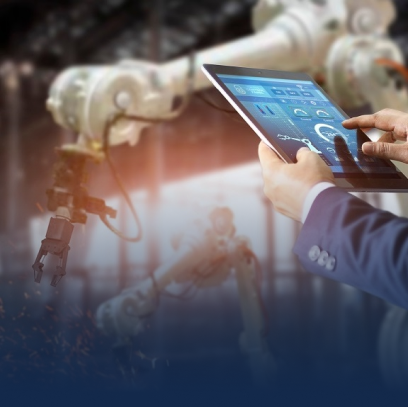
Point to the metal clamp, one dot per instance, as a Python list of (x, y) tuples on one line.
[(56, 242)]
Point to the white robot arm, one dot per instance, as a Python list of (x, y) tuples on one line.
[(290, 35), (358, 72), (205, 256), (342, 40)]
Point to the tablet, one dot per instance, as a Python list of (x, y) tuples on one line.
[(288, 110)]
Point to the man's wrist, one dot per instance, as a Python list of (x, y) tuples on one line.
[(311, 197)]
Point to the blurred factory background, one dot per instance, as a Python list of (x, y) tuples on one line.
[(320, 333)]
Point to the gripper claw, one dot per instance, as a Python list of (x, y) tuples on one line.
[(56, 243)]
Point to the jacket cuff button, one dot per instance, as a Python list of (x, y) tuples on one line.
[(322, 260), (331, 263), (314, 253)]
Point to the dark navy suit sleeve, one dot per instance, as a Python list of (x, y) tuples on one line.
[(346, 239)]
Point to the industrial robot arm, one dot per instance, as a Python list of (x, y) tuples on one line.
[(111, 105), (290, 35), (205, 256)]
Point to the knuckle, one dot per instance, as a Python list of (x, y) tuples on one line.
[(400, 129), (378, 116), (382, 148)]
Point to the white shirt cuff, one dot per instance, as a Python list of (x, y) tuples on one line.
[(312, 195)]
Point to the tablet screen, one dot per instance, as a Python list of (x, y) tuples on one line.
[(296, 113)]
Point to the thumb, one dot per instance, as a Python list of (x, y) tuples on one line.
[(398, 152), (302, 152)]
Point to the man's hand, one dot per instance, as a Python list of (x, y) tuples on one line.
[(287, 185), (395, 125)]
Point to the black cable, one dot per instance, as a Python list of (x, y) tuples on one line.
[(213, 105), (232, 114), (106, 149), (125, 194)]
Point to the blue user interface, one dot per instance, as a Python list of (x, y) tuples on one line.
[(297, 114)]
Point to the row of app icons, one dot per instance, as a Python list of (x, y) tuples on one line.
[(280, 92), (303, 112), (296, 111), (262, 91), (299, 102)]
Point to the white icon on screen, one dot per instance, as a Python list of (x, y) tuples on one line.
[(240, 89), (328, 133), (300, 113), (322, 113)]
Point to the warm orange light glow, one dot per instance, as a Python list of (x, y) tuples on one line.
[(394, 65)]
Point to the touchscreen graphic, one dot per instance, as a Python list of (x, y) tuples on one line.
[(295, 114)]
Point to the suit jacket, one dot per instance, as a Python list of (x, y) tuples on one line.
[(348, 240)]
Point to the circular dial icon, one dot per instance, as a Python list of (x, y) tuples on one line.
[(328, 133), (300, 112), (322, 113)]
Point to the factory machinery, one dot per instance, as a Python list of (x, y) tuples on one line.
[(341, 43)]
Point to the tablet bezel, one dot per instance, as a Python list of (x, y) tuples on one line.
[(347, 181)]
